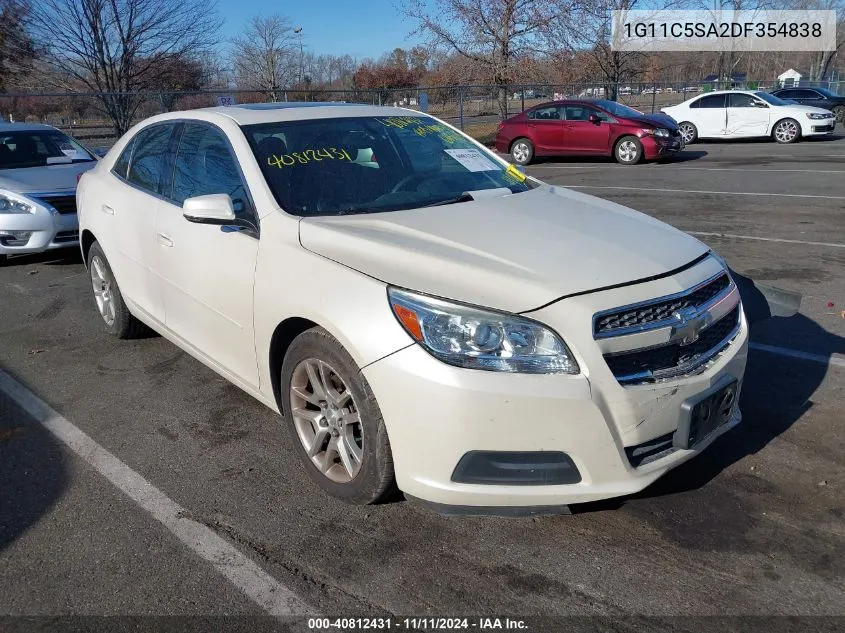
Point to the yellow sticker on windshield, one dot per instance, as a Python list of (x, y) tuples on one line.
[(513, 172), (423, 126), (304, 157)]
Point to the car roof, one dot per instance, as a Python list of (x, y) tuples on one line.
[(252, 113), (24, 127)]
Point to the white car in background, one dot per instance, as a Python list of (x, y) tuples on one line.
[(422, 314), (745, 114), (39, 167)]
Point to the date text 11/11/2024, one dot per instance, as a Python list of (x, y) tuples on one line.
[(417, 624)]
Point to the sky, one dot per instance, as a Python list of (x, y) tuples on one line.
[(361, 28)]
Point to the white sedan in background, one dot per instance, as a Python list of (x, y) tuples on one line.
[(422, 314), (746, 114)]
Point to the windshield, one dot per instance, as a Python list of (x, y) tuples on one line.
[(765, 96), (373, 164), (827, 93), (37, 148), (617, 109)]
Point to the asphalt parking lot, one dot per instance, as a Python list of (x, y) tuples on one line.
[(754, 526)]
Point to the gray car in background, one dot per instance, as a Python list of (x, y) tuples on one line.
[(39, 169)]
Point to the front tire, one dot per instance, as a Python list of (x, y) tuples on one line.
[(335, 421), (839, 111), (110, 304), (688, 132), (628, 150), (522, 151), (786, 131)]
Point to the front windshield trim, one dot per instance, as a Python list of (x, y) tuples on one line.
[(373, 164)]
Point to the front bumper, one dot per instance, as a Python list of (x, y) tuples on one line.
[(49, 230), (436, 414), (817, 127), (654, 148)]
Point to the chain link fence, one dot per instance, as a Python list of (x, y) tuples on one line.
[(473, 108)]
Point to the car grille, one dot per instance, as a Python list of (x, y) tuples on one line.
[(650, 451), (639, 365), (643, 316), (65, 205)]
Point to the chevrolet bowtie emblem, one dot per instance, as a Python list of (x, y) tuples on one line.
[(689, 325)]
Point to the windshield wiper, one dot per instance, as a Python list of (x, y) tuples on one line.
[(464, 197)]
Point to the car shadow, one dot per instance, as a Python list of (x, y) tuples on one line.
[(33, 474), (58, 257), (777, 391), (681, 157), (768, 140)]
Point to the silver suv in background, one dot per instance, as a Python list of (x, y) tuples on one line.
[(39, 169)]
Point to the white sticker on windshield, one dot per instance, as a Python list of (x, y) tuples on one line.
[(473, 160)]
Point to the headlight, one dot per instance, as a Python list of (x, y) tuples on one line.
[(656, 132), (13, 203), (470, 337), (818, 115)]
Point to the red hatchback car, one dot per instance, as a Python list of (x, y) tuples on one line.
[(580, 128)]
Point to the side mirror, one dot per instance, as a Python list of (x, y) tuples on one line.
[(215, 208), (594, 119), (760, 104)]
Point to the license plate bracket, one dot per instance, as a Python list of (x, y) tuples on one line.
[(707, 412)]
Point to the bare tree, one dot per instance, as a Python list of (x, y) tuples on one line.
[(17, 51), (115, 48), (494, 33), (266, 56)]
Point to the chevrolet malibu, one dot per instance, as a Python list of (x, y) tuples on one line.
[(423, 315), (39, 166)]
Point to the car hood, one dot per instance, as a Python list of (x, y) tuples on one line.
[(515, 253), (656, 120), (799, 108), (43, 179)]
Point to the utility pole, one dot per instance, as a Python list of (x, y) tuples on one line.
[(298, 31)]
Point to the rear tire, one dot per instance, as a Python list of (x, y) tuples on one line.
[(522, 151), (112, 308), (786, 131), (334, 420), (628, 150), (688, 132)]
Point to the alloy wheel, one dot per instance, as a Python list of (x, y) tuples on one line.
[(687, 133), (103, 293), (786, 131), (327, 420)]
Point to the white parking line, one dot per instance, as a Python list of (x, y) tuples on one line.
[(794, 353), (255, 583), (764, 239), (722, 193)]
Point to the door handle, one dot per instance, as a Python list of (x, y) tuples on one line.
[(164, 240), (108, 210)]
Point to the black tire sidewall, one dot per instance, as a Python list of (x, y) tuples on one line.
[(122, 324), (639, 145), (375, 480), (530, 151)]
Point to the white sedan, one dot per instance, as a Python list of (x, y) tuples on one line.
[(422, 314), (746, 114)]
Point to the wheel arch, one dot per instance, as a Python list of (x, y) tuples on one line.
[(787, 117), (280, 342), (86, 240)]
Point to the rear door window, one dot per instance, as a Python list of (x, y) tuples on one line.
[(712, 101), (148, 167)]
